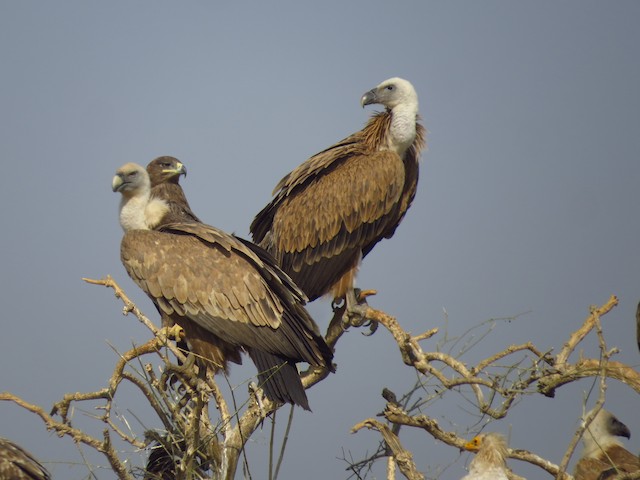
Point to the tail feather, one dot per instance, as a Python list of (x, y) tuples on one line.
[(279, 379)]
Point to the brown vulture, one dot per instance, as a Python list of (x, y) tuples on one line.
[(226, 293), (18, 464), (490, 461), (604, 455), (329, 212)]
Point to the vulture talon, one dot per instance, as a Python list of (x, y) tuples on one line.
[(174, 332), (362, 295), (355, 315), (373, 327), (337, 304)]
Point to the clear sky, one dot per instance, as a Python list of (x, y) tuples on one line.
[(528, 197)]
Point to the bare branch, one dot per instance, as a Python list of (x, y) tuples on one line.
[(402, 457)]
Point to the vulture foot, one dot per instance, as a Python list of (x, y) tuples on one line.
[(174, 332), (355, 313)]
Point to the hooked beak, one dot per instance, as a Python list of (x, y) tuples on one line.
[(117, 183), (368, 98), (619, 429), (179, 170)]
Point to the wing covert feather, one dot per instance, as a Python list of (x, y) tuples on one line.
[(360, 191), (228, 294)]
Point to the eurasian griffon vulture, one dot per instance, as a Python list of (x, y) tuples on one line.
[(603, 454), (18, 464), (227, 294), (490, 463), (329, 212)]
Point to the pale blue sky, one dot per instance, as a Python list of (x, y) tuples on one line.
[(528, 197)]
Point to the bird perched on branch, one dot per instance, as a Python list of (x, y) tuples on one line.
[(490, 463), (329, 212), (18, 464), (604, 454), (226, 293)]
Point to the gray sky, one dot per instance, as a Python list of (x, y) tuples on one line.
[(528, 197)]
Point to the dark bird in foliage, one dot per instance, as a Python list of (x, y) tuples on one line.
[(165, 459), (226, 293), (329, 212), (18, 464), (604, 454)]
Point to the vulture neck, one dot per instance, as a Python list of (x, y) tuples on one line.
[(141, 212), (490, 457), (402, 131), (594, 448)]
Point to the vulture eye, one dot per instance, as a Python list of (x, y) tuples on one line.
[(390, 87)]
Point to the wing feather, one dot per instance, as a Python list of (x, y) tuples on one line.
[(233, 300), (16, 463), (358, 192)]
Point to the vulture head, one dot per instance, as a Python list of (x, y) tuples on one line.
[(392, 93), (165, 170), (602, 432), (491, 459), (130, 180), (137, 210)]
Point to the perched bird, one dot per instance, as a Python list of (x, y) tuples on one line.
[(226, 293), (603, 454), (490, 461), (164, 173), (329, 212), (18, 464)]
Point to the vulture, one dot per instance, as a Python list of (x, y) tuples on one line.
[(603, 454), (329, 212), (490, 461), (227, 294), (18, 464)]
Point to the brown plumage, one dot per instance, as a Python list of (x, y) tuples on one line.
[(603, 454), (490, 463), (18, 464), (164, 173), (328, 213), (226, 293)]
